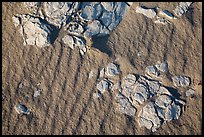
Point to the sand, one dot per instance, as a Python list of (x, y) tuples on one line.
[(66, 105)]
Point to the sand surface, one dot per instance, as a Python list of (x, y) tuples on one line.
[(66, 105)]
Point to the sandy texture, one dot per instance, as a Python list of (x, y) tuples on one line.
[(66, 105)]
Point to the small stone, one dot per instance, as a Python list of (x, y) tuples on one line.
[(163, 101), (104, 85), (68, 40), (75, 28), (190, 92), (91, 12), (150, 13), (92, 73), (129, 80), (181, 8), (93, 28), (142, 90), (152, 71), (162, 67), (125, 107), (181, 81), (20, 85), (37, 93), (22, 109), (112, 69), (16, 21)]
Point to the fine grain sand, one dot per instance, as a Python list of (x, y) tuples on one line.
[(66, 105)]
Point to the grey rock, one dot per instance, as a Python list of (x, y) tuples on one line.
[(104, 85), (167, 14), (152, 71), (112, 70), (124, 106), (181, 8), (91, 11), (55, 12), (181, 81), (163, 101), (190, 92), (149, 113), (128, 80), (108, 6), (68, 40), (75, 28), (93, 28), (106, 18), (162, 67), (39, 35)]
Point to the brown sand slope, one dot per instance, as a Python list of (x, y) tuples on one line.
[(66, 105)]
